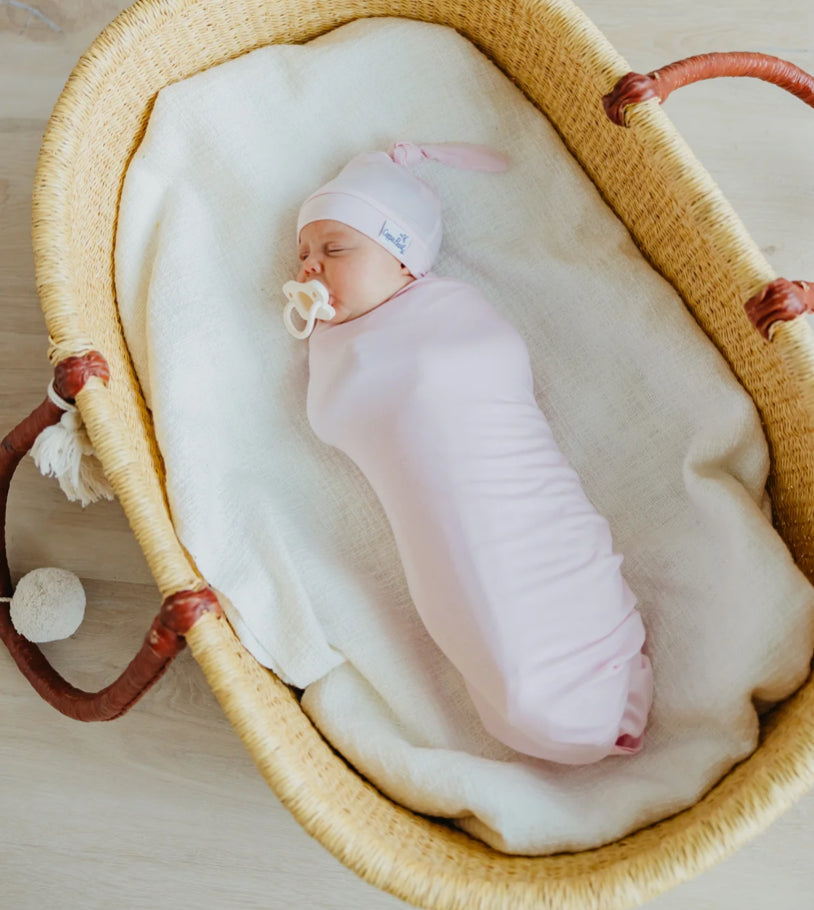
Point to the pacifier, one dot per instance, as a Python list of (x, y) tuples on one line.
[(310, 300)]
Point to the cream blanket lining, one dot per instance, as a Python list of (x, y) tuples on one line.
[(667, 445)]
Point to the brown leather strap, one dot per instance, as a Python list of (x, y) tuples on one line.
[(73, 372), (780, 300), (181, 611), (12, 450), (147, 667), (635, 87), (144, 670), (165, 637)]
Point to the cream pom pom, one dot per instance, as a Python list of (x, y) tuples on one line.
[(48, 604)]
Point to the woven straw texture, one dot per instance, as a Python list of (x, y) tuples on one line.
[(683, 227)]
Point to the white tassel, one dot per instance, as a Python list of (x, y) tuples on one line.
[(64, 451)]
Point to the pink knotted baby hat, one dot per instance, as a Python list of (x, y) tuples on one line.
[(376, 194)]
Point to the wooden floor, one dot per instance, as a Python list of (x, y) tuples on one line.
[(163, 808)]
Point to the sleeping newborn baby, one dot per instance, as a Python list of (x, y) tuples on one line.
[(429, 391)]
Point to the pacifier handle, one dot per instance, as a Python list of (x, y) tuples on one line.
[(289, 321)]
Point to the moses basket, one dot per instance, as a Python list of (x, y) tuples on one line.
[(684, 228)]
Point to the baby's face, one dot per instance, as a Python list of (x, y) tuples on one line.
[(358, 273)]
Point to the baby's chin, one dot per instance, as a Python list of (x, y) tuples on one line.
[(345, 312)]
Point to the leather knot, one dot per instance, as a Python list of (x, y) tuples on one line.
[(71, 374), (182, 610), (780, 301), (630, 89), (164, 642)]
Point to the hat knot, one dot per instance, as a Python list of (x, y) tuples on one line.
[(465, 155)]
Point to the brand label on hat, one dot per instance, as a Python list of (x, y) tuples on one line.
[(394, 237)]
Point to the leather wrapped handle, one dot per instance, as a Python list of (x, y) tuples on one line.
[(780, 300), (635, 87), (165, 637)]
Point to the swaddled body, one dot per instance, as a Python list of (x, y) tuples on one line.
[(508, 564)]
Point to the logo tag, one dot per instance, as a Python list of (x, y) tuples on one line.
[(395, 237)]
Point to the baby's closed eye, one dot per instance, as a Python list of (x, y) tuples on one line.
[(330, 251)]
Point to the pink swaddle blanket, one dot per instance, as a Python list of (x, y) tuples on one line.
[(507, 562)]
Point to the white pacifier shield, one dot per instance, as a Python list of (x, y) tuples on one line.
[(310, 300)]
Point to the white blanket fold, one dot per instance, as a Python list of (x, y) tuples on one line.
[(667, 445)]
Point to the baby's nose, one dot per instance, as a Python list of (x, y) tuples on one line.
[(309, 266)]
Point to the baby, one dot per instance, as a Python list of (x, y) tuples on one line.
[(430, 392)]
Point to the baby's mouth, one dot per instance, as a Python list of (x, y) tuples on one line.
[(330, 294)]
